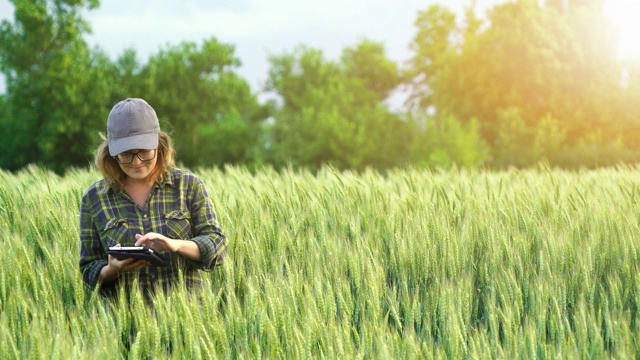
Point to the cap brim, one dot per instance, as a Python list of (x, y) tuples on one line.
[(142, 141)]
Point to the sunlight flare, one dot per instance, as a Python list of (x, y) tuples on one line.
[(624, 16)]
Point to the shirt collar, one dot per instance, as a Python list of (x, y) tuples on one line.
[(166, 181), (114, 186)]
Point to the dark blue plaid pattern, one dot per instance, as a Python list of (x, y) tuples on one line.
[(178, 207)]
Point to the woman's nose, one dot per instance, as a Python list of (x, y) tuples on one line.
[(136, 160)]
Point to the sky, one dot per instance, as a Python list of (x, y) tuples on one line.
[(258, 28)]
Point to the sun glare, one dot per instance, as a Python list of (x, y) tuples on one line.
[(625, 15)]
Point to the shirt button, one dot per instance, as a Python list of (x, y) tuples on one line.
[(144, 216)]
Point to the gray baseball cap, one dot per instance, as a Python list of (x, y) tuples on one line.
[(132, 124)]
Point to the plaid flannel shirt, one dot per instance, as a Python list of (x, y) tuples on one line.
[(178, 207)]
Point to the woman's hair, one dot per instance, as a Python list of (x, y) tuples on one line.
[(112, 172)]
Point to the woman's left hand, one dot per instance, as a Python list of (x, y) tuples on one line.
[(157, 242)]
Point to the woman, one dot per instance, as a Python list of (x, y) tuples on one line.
[(143, 200)]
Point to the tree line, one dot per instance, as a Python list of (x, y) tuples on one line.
[(529, 82)]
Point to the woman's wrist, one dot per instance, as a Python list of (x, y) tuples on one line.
[(108, 273), (179, 246)]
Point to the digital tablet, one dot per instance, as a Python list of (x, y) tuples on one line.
[(138, 252)]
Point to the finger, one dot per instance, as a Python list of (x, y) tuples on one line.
[(139, 239), (153, 236), (141, 263), (135, 265), (124, 262)]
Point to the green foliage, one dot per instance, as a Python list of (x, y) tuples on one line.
[(59, 93), (549, 139), (333, 112), (514, 139), (55, 86), (207, 107), (433, 46), (448, 142), (550, 60), (533, 81), (367, 64), (227, 140), (409, 264), (628, 100)]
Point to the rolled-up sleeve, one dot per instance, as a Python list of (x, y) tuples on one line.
[(92, 255), (208, 236)]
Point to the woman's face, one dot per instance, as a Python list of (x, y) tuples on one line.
[(137, 170)]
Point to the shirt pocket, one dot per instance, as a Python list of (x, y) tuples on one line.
[(115, 231), (178, 224)]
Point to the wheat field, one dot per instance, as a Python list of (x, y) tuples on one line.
[(538, 263)]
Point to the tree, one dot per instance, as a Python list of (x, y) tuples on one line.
[(59, 92), (433, 46), (552, 60), (333, 111), (629, 101), (210, 110), (56, 86)]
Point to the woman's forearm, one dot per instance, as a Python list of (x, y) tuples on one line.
[(189, 249)]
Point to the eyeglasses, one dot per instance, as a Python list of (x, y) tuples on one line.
[(143, 155)]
